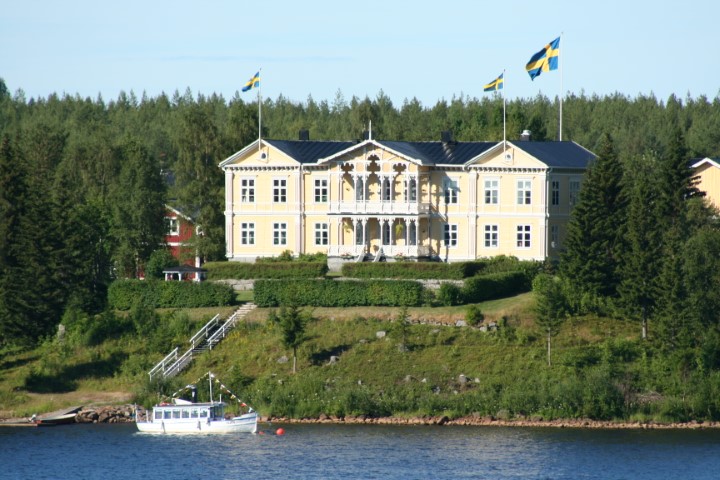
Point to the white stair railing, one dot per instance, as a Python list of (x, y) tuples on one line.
[(206, 338)]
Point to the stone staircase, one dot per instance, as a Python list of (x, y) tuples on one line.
[(212, 333)]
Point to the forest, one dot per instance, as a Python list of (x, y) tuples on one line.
[(83, 184)]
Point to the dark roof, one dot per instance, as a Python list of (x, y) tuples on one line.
[(307, 151), (440, 153), (183, 269), (553, 154), (558, 154)]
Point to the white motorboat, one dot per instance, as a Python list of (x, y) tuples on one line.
[(184, 416)]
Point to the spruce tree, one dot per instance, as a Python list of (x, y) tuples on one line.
[(595, 232), (640, 259)]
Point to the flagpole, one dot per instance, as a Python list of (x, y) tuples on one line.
[(561, 82), (504, 122), (259, 99)]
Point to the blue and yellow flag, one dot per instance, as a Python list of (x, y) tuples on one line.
[(544, 60), (254, 82), (496, 84)]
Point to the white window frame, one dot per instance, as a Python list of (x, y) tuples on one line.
[(322, 192), (492, 235), (450, 235), (386, 190), (173, 226), (574, 191), (279, 190), (451, 191), (492, 191), (322, 234), (410, 194), (247, 233), (524, 191), (385, 234), (524, 236), (279, 233), (247, 190), (360, 189), (555, 192)]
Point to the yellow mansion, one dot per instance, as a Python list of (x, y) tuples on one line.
[(389, 200)]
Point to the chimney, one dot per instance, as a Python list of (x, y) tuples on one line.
[(525, 135), (304, 135), (446, 136)]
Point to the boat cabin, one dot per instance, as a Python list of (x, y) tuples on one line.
[(189, 411)]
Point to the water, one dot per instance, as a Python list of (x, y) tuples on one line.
[(363, 452)]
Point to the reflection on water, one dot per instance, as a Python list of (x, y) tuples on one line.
[(382, 452)]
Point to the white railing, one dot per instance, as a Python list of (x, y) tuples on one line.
[(160, 367), (379, 208), (202, 334), (353, 251), (207, 336)]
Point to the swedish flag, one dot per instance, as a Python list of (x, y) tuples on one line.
[(496, 84), (254, 82), (544, 60)]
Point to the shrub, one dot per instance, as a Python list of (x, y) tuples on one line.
[(449, 294), (495, 285), (473, 315)]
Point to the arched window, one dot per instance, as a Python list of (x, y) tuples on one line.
[(359, 233), (386, 233)]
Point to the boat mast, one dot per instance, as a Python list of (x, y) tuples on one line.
[(210, 377)]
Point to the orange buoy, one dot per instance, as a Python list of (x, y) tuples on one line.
[(280, 431)]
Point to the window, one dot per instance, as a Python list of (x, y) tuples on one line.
[(386, 233), (451, 192), (491, 236), (524, 192), (554, 236), (555, 192), (574, 192), (360, 189), (359, 233), (247, 233), (321, 190), (386, 190), (247, 190), (279, 233), (523, 236), (173, 226), (411, 190), (491, 192), (451, 235), (322, 234), (279, 190)]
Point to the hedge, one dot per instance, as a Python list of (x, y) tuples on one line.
[(331, 293), (494, 285), (411, 270), (440, 270), (123, 294), (243, 271)]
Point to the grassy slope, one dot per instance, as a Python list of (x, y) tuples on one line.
[(372, 373)]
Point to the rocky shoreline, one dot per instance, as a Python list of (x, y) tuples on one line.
[(493, 422), (126, 414)]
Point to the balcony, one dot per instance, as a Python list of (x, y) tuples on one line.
[(352, 251), (373, 207)]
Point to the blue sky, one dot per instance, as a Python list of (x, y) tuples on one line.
[(421, 49)]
